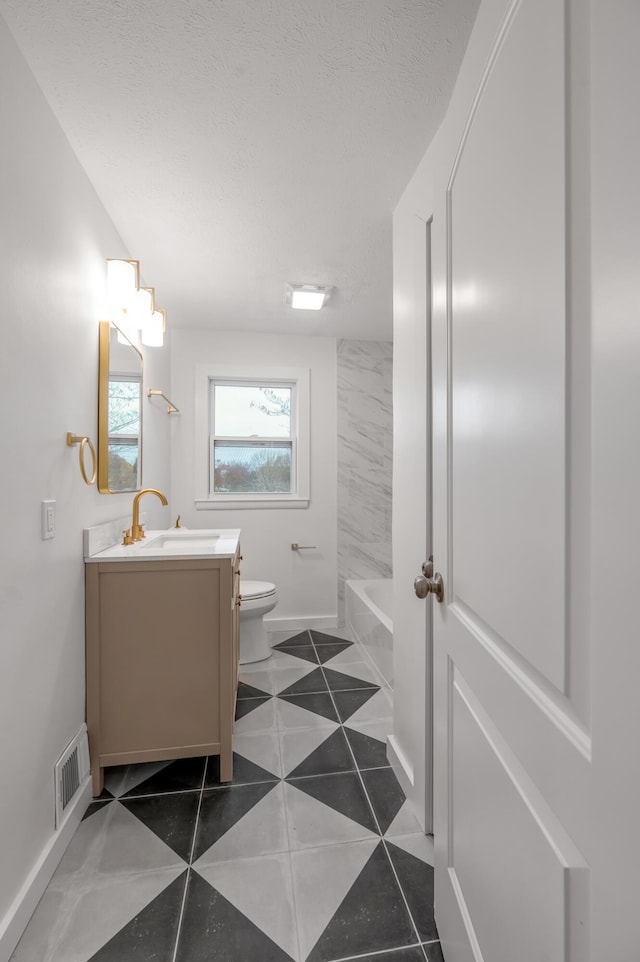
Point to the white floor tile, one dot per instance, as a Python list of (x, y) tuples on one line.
[(260, 678), (405, 823), (267, 901), (261, 748), (72, 923)]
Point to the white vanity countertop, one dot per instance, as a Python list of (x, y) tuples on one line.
[(174, 544)]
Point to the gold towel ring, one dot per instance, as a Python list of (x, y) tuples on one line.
[(84, 442)]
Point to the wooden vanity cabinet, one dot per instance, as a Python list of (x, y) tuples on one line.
[(162, 661)]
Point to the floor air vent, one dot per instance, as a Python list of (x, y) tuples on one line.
[(71, 770)]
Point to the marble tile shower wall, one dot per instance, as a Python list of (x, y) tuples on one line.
[(364, 461)]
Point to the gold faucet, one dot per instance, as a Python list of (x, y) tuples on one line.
[(136, 533)]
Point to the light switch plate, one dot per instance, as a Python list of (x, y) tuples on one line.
[(48, 519)]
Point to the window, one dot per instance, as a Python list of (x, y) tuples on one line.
[(256, 439), (252, 447)]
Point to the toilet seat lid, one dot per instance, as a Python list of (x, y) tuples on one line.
[(256, 589)]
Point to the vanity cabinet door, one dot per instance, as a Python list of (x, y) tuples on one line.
[(159, 657)]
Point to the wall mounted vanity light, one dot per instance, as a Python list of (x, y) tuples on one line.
[(132, 307), (307, 297)]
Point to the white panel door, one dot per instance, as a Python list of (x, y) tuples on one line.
[(511, 659)]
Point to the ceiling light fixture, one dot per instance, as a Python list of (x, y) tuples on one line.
[(307, 297)]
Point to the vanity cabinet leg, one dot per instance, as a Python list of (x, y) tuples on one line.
[(226, 765), (97, 780)]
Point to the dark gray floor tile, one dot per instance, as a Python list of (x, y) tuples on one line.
[(339, 681), (245, 772), (221, 808), (312, 682), (369, 752), (434, 952), (322, 638), (307, 653), (300, 640), (171, 817), (348, 702), (321, 703), (185, 774), (385, 794), (342, 792), (246, 705), (416, 881), (96, 806), (249, 691), (213, 929), (325, 652), (371, 918), (332, 755)]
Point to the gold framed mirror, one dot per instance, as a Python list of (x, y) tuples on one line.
[(119, 412)]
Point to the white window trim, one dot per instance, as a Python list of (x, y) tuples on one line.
[(205, 373)]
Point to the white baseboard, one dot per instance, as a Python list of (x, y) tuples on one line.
[(400, 764), (23, 906), (403, 770), (319, 622)]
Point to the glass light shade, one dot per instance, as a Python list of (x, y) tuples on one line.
[(153, 329), (142, 307), (122, 283)]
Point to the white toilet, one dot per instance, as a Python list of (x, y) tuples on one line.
[(257, 598)]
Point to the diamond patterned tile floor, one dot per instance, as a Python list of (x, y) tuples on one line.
[(311, 854)]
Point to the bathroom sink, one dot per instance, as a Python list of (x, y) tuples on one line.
[(181, 542)]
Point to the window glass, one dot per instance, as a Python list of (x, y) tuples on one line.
[(263, 467), (251, 411), (123, 466), (124, 405)]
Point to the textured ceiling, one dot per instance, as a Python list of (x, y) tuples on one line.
[(241, 144)]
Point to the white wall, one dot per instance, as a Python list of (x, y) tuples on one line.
[(306, 581), (55, 235)]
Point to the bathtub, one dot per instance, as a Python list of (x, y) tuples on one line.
[(369, 613)]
